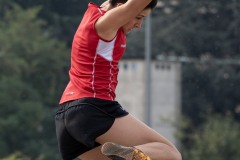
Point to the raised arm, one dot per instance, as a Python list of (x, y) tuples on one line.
[(116, 16)]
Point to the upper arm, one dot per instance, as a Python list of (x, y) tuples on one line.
[(112, 20)]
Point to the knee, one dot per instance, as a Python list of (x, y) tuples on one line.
[(174, 154), (178, 156)]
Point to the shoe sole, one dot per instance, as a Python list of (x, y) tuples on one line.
[(117, 152)]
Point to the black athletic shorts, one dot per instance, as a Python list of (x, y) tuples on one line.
[(80, 122)]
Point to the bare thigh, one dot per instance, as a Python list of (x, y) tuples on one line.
[(127, 131)]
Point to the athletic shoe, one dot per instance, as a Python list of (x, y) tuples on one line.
[(118, 152)]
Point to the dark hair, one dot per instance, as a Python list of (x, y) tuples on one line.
[(151, 5)]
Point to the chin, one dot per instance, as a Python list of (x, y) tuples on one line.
[(128, 31)]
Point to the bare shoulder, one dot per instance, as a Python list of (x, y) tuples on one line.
[(118, 15)]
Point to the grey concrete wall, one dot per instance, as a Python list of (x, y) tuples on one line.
[(165, 93)]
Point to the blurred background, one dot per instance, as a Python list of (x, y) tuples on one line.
[(180, 75)]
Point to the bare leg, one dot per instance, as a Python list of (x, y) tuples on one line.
[(129, 131)]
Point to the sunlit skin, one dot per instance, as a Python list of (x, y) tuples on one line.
[(136, 22)]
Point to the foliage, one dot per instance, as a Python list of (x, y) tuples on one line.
[(62, 17), (15, 156), (33, 53), (194, 28), (19, 156), (211, 89), (217, 139), (31, 67)]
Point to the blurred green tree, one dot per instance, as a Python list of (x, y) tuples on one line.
[(62, 17), (217, 139), (31, 82), (193, 28)]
